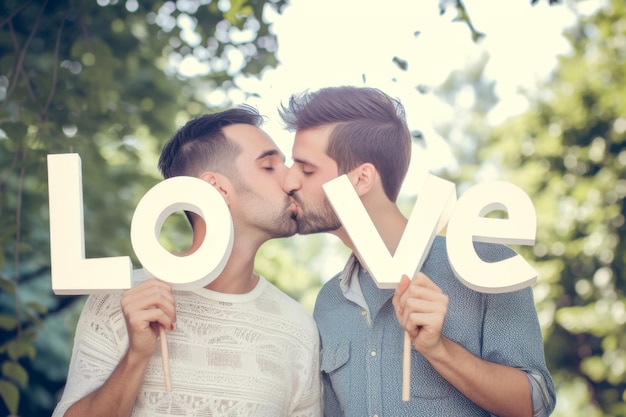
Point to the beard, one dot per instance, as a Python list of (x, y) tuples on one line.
[(275, 220), (316, 218)]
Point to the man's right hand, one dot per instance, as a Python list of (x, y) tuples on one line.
[(146, 307)]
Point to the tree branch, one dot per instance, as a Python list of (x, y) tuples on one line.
[(15, 13), (18, 235), (20, 60), (17, 70), (55, 68)]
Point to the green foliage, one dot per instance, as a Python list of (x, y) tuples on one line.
[(101, 79), (111, 81), (569, 153), (18, 346), (296, 265)]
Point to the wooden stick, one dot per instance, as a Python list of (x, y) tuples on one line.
[(406, 368), (166, 360)]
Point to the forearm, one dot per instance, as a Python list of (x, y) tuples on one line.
[(116, 397), (499, 389)]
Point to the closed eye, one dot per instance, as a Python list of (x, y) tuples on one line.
[(269, 159), (305, 168)]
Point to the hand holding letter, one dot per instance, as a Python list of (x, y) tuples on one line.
[(421, 308), (147, 308)]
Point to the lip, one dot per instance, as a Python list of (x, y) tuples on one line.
[(293, 206)]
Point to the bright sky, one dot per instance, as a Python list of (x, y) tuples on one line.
[(335, 42), (353, 42)]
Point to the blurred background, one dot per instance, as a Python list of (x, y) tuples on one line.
[(528, 91)]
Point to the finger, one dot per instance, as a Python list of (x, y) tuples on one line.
[(423, 289), (417, 306), (151, 284), (424, 325), (150, 297), (148, 300), (421, 312), (141, 320), (400, 289), (422, 279)]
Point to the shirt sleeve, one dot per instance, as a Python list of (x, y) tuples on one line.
[(542, 404), (96, 350), (512, 336), (309, 401)]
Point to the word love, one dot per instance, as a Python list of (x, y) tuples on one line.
[(435, 208), (73, 274)]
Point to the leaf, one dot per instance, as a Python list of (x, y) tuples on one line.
[(33, 318), (16, 372), (10, 395), (6, 285), (15, 131), (7, 322), (29, 334), (401, 63), (17, 349), (238, 10)]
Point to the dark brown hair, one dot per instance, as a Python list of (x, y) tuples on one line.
[(369, 127), (200, 145)]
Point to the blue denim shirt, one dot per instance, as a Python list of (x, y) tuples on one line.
[(362, 343)]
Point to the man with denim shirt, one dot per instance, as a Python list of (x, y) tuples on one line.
[(474, 354)]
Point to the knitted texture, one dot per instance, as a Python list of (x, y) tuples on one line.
[(254, 354)]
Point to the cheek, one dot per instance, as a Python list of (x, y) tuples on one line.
[(316, 183), (313, 189), (270, 184)]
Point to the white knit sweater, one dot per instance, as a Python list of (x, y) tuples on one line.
[(254, 354)]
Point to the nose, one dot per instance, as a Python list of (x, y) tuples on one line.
[(291, 180)]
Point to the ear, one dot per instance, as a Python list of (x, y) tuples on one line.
[(218, 181), (363, 178)]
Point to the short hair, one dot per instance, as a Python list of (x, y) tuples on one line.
[(369, 127), (201, 145)]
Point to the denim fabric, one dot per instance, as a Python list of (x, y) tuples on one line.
[(362, 342)]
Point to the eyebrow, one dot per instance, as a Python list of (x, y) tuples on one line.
[(269, 153), (304, 162)]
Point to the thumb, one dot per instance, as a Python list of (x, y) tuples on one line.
[(400, 289), (403, 284)]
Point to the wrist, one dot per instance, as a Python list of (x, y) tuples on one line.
[(135, 360), (437, 353)]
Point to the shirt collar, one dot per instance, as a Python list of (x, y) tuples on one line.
[(350, 285)]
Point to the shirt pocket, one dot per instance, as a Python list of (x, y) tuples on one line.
[(335, 356)]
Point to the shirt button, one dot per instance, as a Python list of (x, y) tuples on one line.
[(373, 353), (363, 313), (375, 415)]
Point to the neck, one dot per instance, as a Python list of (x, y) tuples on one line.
[(238, 276), (388, 221)]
